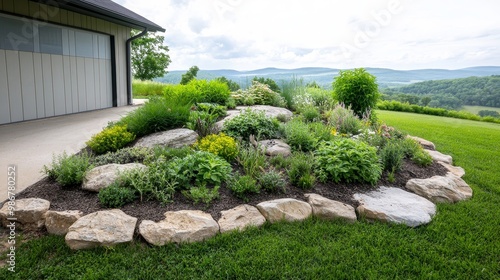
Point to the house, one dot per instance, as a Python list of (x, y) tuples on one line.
[(61, 57)]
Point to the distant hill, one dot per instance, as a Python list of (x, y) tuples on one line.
[(324, 76)]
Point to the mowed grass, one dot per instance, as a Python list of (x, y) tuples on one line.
[(476, 109), (462, 242)]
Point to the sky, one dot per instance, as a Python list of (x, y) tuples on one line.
[(396, 34)]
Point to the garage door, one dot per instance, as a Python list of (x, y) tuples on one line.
[(48, 70)]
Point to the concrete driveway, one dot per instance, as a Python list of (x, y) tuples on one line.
[(30, 145)]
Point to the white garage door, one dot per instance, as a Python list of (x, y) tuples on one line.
[(49, 70)]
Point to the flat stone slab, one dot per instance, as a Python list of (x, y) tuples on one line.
[(455, 170), (175, 138), (240, 217), (395, 205), (58, 222), (328, 209), (28, 212), (424, 143), (101, 177), (179, 227), (439, 157), (448, 189), (287, 209), (275, 147), (102, 228)]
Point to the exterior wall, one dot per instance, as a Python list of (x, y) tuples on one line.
[(59, 69)]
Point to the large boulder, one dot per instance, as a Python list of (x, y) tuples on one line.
[(269, 111), (175, 138), (102, 228), (240, 217), (424, 143), (275, 147), (395, 205), (448, 188), (287, 209), (102, 176), (455, 170), (328, 209), (58, 222), (26, 213), (179, 227), (439, 157)]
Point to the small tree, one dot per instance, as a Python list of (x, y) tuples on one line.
[(268, 81), (149, 57), (189, 75), (356, 89), (233, 86)]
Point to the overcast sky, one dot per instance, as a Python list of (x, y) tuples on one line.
[(397, 34)]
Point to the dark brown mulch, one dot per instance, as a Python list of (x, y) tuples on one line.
[(87, 202)]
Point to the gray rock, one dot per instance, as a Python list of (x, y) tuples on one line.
[(328, 209), (395, 205), (179, 227), (102, 228), (287, 209), (58, 222), (240, 217), (29, 213), (455, 170), (424, 143), (102, 176), (439, 157), (448, 188), (275, 147), (175, 138)]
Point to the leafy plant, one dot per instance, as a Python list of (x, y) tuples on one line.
[(251, 123), (357, 89), (347, 160), (300, 171), (167, 153), (272, 182), (202, 194), (68, 170), (115, 196), (280, 161), (212, 109), (310, 113), (252, 160), (422, 158), (321, 132), (110, 139), (241, 186), (392, 156), (344, 120), (258, 94), (123, 156), (297, 135), (202, 122), (211, 91), (220, 145)]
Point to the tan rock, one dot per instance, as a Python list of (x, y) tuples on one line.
[(179, 227), (328, 209), (240, 217), (175, 138), (441, 189), (28, 213), (58, 222), (287, 209), (455, 170), (275, 147), (439, 157), (102, 228), (424, 143), (102, 176)]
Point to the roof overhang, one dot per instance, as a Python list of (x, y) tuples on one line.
[(106, 10)]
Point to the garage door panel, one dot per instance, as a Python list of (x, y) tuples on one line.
[(58, 84), (89, 80), (80, 70), (28, 85), (74, 83), (4, 92), (39, 95), (15, 91), (48, 89), (67, 84)]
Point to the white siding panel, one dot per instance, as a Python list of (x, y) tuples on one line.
[(15, 91), (40, 99), (74, 83), (28, 85), (58, 84), (89, 81), (102, 84), (4, 91), (67, 84), (97, 87), (48, 89), (80, 68)]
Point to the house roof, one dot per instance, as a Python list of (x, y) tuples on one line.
[(108, 10)]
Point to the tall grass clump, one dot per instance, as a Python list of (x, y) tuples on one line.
[(291, 89), (147, 88), (344, 120)]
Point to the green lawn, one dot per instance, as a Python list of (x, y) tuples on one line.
[(476, 109), (462, 242)]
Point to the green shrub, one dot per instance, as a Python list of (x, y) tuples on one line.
[(156, 115), (310, 113), (123, 156), (344, 120), (321, 132), (297, 135), (213, 91), (280, 161), (321, 99), (212, 108), (220, 145), (410, 147), (268, 82), (147, 88), (258, 94), (115, 196), (202, 194), (241, 186), (347, 160), (202, 122), (110, 139), (357, 89), (422, 158), (166, 153), (392, 156), (68, 170), (251, 123), (272, 182), (252, 160), (300, 171)]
